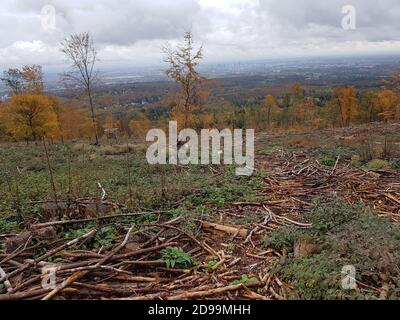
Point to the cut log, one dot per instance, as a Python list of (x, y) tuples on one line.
[(239, 231)]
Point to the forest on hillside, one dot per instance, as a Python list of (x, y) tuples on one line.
[(30, 114)]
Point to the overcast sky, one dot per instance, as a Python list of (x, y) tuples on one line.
[(133, 31)]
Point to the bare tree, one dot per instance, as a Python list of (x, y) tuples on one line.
[(13, 79), (80, 51), (183, 62), (28, 79)]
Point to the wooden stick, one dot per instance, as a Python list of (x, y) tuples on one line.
[(268, 217), (199, 294), (23, 295), (113, 216), (305, 225)]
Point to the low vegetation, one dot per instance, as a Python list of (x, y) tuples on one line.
[(341, 235), (175, 257)]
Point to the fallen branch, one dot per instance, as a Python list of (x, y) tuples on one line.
[(113, 216), (268, 217), (299, 224), (240, 231), (212, 292)]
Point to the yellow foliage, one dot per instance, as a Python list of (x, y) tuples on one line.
[(345, 104), (272, 107), (73, 123), (298, 91), (389, 102), (304, 111), (139, 126), (29, 117), (110, 123)]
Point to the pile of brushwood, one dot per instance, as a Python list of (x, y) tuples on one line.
[(122, 255), (286, 246)]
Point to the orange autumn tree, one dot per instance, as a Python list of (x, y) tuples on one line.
[(303, 106), (58, 110), (389, 102), (72, 123), (3, 120), (110, 123), (305, 110), (389, 97), (345, 104), (139, 126), (298, 93), (202, 121), (271, 105), (30, 117), (370, 109), (75, 124)]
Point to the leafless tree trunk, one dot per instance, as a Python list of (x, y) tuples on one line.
[(80, 51)]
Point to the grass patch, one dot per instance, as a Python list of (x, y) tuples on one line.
[(327, 156), (77, 168), (9, 226), (230, 188), (378, 164)]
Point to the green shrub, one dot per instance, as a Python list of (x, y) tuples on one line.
[(175, 257), (282, 239), (328, 155), (327, 161), (327, 217), (104, 237), (395, 164), (243, 280), (231, 189), (7, 226), (179, 212)]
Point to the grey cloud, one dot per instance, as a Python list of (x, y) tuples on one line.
[(134, 30), (114, 22), (376, 20)]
